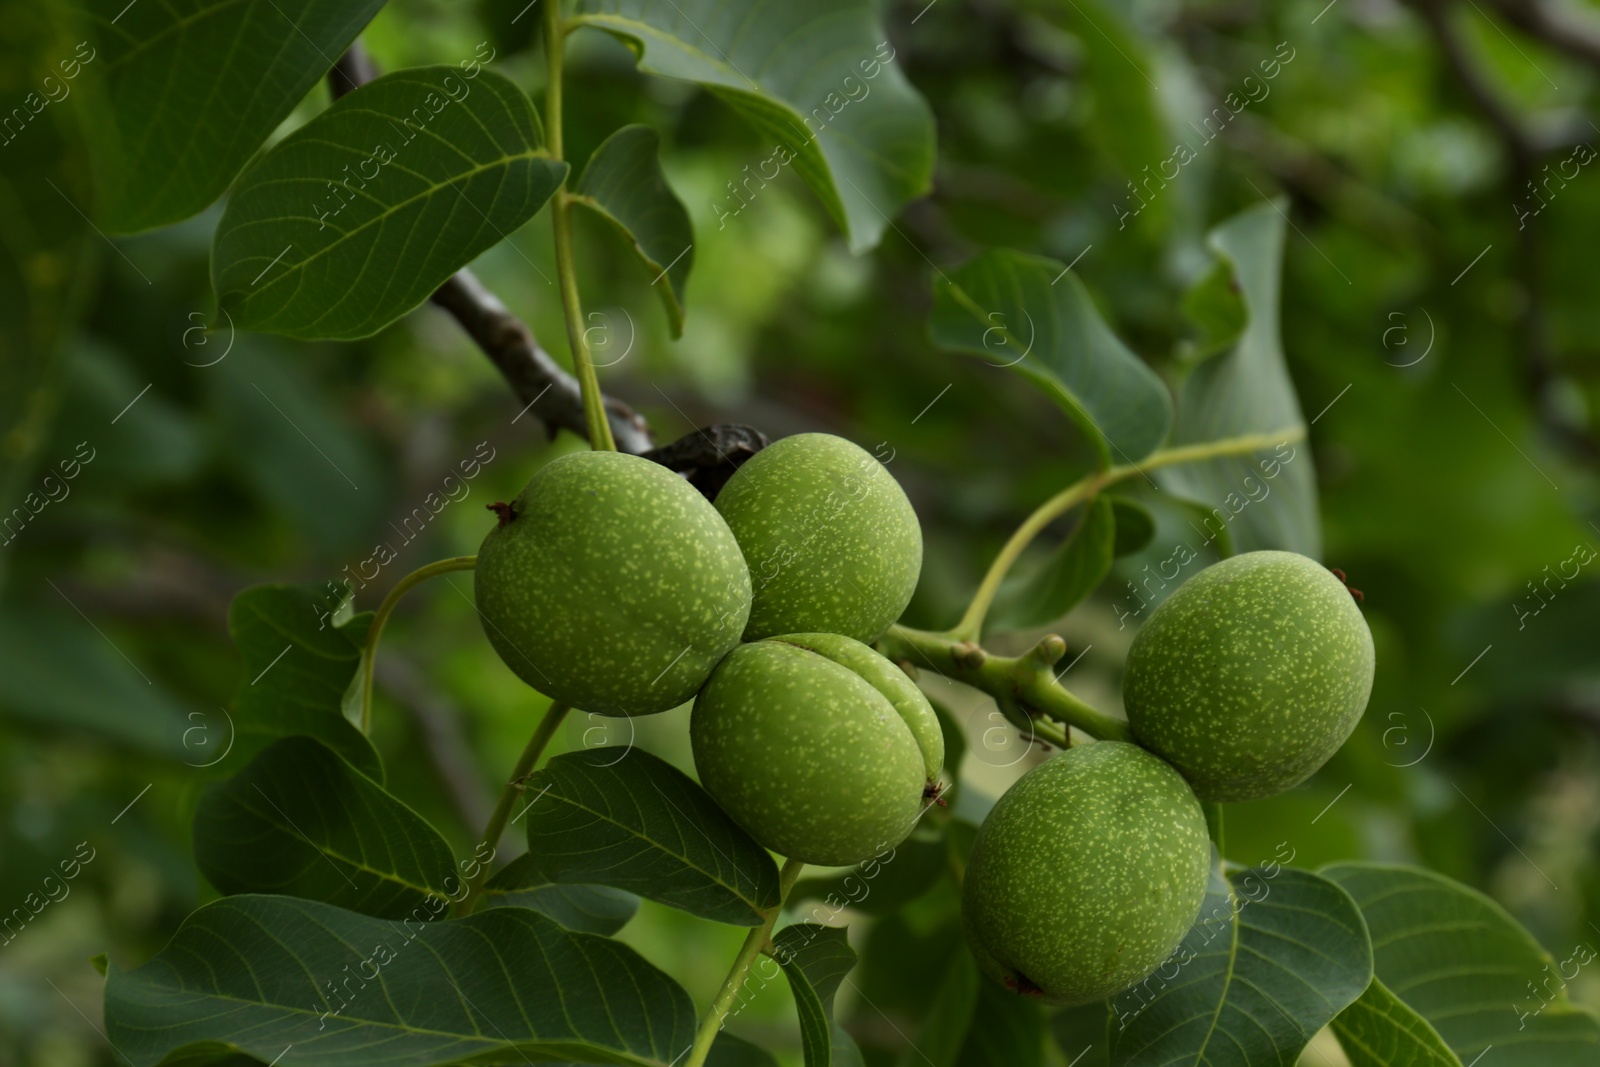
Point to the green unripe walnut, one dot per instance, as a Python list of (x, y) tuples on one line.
[(832, 542), (612, 585), (1086, 874), (821, 749), (1251, 675)]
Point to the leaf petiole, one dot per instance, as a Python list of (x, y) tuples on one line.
[(369, 654)]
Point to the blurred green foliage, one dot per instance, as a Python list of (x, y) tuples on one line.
[(1449, 360)]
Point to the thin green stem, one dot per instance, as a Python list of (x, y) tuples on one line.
[(1084, 490), (496, 826), (594, 406), (375, 630), (757, 940), (1213, 812)]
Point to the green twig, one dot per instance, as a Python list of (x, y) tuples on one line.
[(594, 405), (1027, 680), (496, 826), (970, 628), (381, 616), (754, 943)]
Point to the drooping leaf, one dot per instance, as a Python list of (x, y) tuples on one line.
[(358, 216), (1275, 954), (1033, 315), (1136, 526), (730, 1051), (1042, 593), (307, 984), (300, 656), (1082, 1035), (883, 885), (590, 909), (815, 959), (623, 183), (301, 821), (635, 822), (1379, 1030), (1267, 499), (819, 81), (1458, 960), (170, 144)]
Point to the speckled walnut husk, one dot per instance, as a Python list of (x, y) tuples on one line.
[(1086, 874), (832, 542), (821, 749), (615, 587), (1251, 675)]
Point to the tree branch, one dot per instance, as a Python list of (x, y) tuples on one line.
[(537, 380)]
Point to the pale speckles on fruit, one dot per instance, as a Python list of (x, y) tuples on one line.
[(1251, 675), (832, 542), (1086, 874), (806, 755), (615, 587)]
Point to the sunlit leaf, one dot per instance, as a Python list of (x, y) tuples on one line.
[(1379, 1030), (359, 215)]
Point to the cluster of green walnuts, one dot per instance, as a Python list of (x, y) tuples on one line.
[(613, 586)]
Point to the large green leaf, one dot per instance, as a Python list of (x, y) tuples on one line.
[(623, 183), (815, 959), (945, 1028), (358, 216), (1455, 958), (301, 821), (818, 81), (1275, 954), (1379, 1030), (300, 658), (638, 823), (305, 984), (1267, 499), (1043, 592), (885, 883), (1007, 1031), (191, 88), (591, 909), (1033, 315)]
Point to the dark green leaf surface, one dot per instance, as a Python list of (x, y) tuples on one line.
[(1455, 958), (949, 1019), (299, 663), (1379, 1030), (1271, 960), (1042, 593), (818, 81), (880, 887), (730, 1051), (301, 821), (191, 88), (307, 984), (623, 183), (358, 216), (1268, 499), (1007, 1031), (1031, 314), (637, 823), (1136, 526), (590, 909), (815, 959)]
